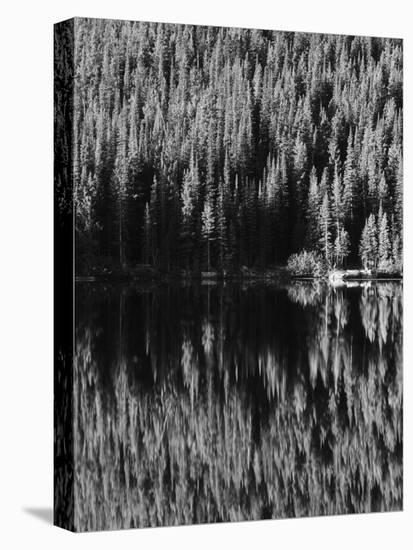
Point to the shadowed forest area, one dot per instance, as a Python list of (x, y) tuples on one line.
[(201, 149), (226, 403)]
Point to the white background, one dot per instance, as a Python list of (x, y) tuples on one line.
[(26, 271)]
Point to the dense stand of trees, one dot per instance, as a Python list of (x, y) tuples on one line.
[(212, 148), (220, 404)]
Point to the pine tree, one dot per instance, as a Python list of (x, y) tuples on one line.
[(208, 227), (187, 217), (221, 230), (341, 246), (368, 243), (313, 212), (383, 192), (350, 182), (300, 190), (325, 233), (120, 182), (384, 247), (155, 219), (210, 176), (398, 202), (337, 209)]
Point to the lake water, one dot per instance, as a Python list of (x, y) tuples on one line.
[(225, 403)]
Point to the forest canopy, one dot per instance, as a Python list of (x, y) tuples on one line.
[(202, 148)]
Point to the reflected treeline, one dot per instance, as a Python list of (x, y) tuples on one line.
[(205, 404)]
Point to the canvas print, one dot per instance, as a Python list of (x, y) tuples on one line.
[(228, 274)]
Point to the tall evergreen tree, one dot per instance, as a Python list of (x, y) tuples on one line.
[(313, 235), (341, 246), (384, 246), (325, 233), (208, 228), (368, 243), (350, 182)]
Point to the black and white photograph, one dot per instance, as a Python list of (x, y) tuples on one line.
[(205, 278), (237, 212)]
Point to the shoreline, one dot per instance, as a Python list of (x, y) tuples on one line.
[(276, 276)]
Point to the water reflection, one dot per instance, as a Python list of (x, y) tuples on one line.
[(205, 404)]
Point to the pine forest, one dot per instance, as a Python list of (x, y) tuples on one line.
[(220, 149)]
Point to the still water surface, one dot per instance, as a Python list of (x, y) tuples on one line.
[(225, 403)]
